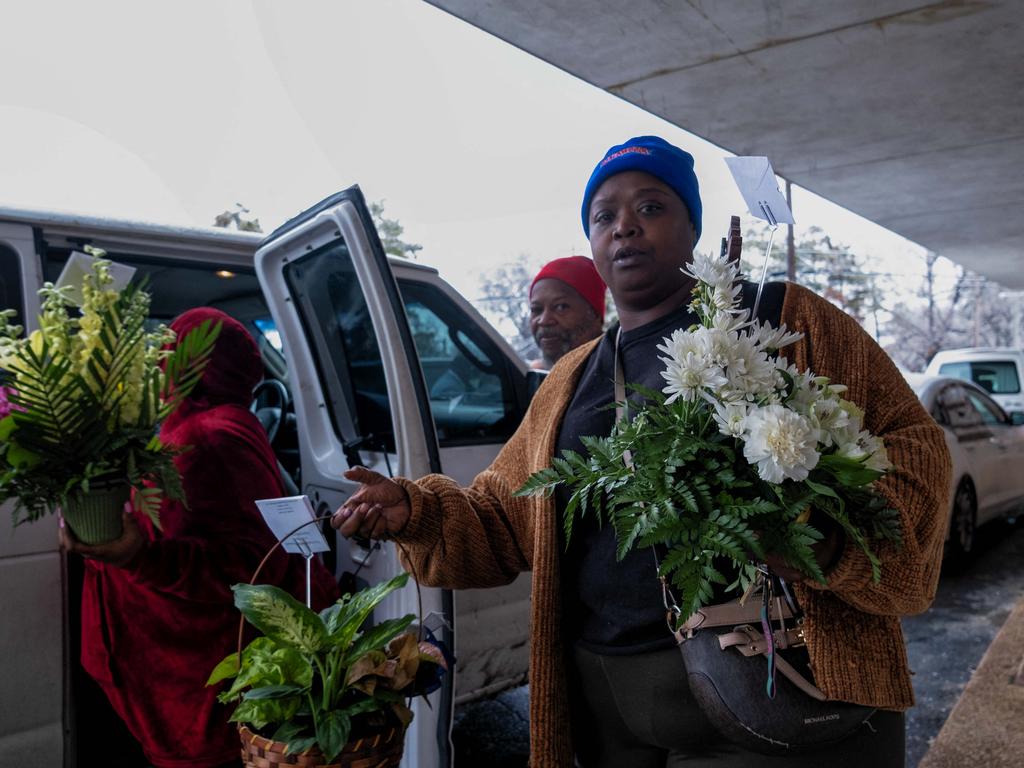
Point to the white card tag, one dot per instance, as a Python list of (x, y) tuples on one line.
[(756, 180), (79, 265), (287, 513)]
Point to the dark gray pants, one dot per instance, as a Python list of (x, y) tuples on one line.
[(637, 711)]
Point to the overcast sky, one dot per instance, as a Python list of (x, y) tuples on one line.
[(173, 112)]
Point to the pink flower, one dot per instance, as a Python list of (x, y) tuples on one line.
[(6, 406)]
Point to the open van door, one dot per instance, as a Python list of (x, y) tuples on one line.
[(360, 398)]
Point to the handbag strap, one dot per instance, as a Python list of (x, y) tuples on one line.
[(748, 641)]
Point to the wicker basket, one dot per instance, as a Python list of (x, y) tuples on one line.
[(382, 749)]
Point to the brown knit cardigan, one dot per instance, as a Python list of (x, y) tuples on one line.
[(483, 536)]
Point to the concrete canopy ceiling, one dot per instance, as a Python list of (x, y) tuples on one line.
[(906, 112)]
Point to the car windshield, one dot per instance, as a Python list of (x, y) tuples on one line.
[(997, 377)]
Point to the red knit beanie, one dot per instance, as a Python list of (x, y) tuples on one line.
[(580, 273)]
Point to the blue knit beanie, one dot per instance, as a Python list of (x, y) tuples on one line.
[(653, 155)]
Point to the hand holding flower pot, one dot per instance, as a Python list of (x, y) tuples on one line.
[(81, 402)]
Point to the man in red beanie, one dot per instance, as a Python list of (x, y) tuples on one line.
[(566, 306)]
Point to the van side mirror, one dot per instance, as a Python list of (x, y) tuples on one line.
[(1017, 418)]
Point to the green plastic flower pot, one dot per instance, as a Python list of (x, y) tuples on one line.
[(95, 517)]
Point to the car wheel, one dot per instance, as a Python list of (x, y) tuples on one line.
[(962, 527)]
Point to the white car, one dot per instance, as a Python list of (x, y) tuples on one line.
[(987, 448), (997, 370)]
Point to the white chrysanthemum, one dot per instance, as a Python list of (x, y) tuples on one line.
[(804, 395), (724, 297), (731, 418), (680, 344), (751, 373), (773, 338), (729, 321), (689, 377), (781, 443), (718, 346), (713, 270)]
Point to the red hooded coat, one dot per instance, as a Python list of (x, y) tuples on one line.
[(153, 632)]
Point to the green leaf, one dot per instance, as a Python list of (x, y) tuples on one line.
[(226, 669), (274, 692), (356, 609), (332, 730), (280, 617), (289, 732), (377, 637), (7, 426), (298, 746)]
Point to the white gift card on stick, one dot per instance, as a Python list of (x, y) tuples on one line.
[(79, 265), (756, 180), (287, 513)]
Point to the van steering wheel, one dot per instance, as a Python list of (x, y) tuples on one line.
[(273, 412)]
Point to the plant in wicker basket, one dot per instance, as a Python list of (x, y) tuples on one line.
[(81, 400), (323, 686)]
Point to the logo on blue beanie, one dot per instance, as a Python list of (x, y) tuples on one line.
[(653, 155)]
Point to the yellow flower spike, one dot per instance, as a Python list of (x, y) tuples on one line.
[(36, 341)]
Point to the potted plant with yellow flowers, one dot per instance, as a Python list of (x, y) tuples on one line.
[(81, 401), (324, 689)]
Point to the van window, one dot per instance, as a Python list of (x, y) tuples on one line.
[(998, 377), (10, 284), (472, 395), (336, 319)]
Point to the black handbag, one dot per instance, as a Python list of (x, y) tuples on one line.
[(729, 666)]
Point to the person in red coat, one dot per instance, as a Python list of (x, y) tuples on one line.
[(157, 608)]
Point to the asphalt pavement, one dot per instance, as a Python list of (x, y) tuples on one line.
[(945, 646)]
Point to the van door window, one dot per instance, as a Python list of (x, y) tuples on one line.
[(10, 284), (337, 322), (472, 393)]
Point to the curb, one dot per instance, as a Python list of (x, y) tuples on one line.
[(984, 727)]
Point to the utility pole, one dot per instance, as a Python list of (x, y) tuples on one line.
[(790, 243), (977, 312)]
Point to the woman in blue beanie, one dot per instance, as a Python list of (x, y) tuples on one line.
[(608, 686)]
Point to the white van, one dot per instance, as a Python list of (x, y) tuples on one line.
[(369, 359), (997, 370)]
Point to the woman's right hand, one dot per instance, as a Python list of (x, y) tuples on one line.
[(378, 510)]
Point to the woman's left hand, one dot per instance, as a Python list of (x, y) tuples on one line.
[(826, 552), (120, 552)]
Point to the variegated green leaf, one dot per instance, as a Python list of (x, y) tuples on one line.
[(280, 616)]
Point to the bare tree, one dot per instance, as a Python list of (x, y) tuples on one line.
[(390, 232), (237, 218), (504, 299), (921, 329), (828, 268)]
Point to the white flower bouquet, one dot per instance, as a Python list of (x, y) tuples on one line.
[(83, 396), (731, 457)]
